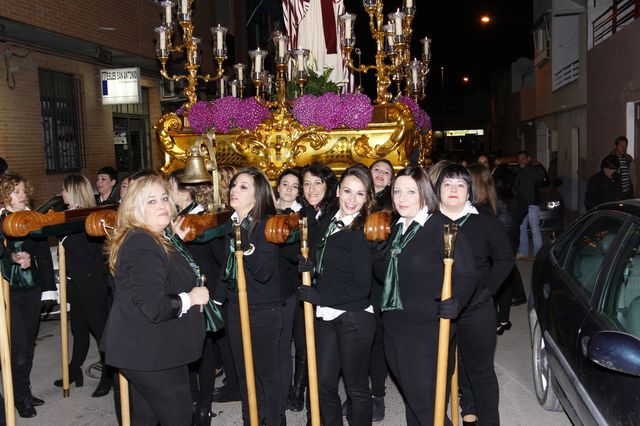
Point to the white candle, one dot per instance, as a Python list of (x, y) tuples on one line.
[(240, 74), (301, 61), (258, 64), (167, 13), (347, 28), (223, 82), (425, 47), (163, 40), (281, 48), (414, 75), (234, 91), (408, 3), (398, 25), (219, 40), (390, 40), (184, 6)]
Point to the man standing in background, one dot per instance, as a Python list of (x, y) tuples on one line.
[(530, 178), (626, 169)]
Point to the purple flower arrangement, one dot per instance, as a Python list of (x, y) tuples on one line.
[(420, 116), (331, 111), (227, 113)]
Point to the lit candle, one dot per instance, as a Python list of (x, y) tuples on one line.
[(258, 62), (398, 23), (408, 3), (281, 47), (167, 12), (219, 40), (414, 75), (390, 39), (425, 46), (301, 60), (184, 6)]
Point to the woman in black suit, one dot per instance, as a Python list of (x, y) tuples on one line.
[(251, 198), (87, 285), (27, 265), (345, 325), (476, 325), (412, 272), (154, 329)]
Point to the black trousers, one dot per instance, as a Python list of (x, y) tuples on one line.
[(284, 359), (266, 324), (202, 374), (87, 290), (378, 368), (159, 396), (476, 330), (221, 340), (344, 344), (25, 318), (412, 353)]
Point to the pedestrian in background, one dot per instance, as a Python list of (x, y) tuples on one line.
[(626, 167), (605, 185), (529, 180)]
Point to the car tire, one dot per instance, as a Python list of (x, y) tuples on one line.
[(543, 381)]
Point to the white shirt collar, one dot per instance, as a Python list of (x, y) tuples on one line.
[(235, 217), (422, 217), (467, 209), (348, 219), (295, 206)]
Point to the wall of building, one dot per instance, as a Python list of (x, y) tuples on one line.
[(614, 84), (21, 133)]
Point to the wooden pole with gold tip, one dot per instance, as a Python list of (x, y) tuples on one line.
[(245, 326), (310, 335), (455, 405), (5, 358), (7, 304), (64, 326), (450, 232)]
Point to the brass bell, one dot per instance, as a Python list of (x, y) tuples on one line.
[(195, 169)]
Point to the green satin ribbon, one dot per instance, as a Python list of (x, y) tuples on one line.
[(230, 275), (322, 245), (390, 300), (12, 272), (211, 311)]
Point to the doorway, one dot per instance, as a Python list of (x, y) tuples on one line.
[(130, 143)]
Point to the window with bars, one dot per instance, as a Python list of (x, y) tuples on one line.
[(62, 121)]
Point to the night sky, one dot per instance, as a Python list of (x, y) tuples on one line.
[(460, 41)]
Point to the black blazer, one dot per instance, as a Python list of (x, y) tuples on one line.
[(143, 331)]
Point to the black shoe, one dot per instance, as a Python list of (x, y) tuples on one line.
[(377, 403), (204, 416), (102, 389), (36, 402), (502, 327), (346, 409), (75, 376), (226, 394), (25, 409)]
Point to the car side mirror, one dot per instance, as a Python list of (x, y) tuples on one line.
[(615, 351), (557, 182)]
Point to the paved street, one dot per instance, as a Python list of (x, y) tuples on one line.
[(513, 366)]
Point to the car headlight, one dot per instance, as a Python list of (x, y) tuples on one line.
[(550, 205)]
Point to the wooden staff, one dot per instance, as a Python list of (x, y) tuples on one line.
[(310, 335), (64, 326), (125, 413), (455, 406), (5, 359), (245, 326), (445, 324)]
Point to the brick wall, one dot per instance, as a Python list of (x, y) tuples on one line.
[(133, 20), (21, 139)]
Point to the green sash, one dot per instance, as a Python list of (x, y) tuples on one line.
[(390, 300), (212, 313), (230, 275)]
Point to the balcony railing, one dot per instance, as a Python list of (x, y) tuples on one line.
[(618, 15), (566, 75)]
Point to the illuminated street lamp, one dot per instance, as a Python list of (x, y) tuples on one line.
[(466, 79), (485, 19)]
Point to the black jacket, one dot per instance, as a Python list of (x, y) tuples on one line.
[(143, 331), (601, 189)]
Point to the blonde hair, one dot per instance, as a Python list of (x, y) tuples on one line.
[(80, 191), (131, 216)]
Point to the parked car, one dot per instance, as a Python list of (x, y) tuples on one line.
[(551, 203), (584, 317)]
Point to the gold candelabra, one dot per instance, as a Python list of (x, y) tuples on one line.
[(393, 54)]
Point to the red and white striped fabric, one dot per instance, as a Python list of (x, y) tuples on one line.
[(294, 11)]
